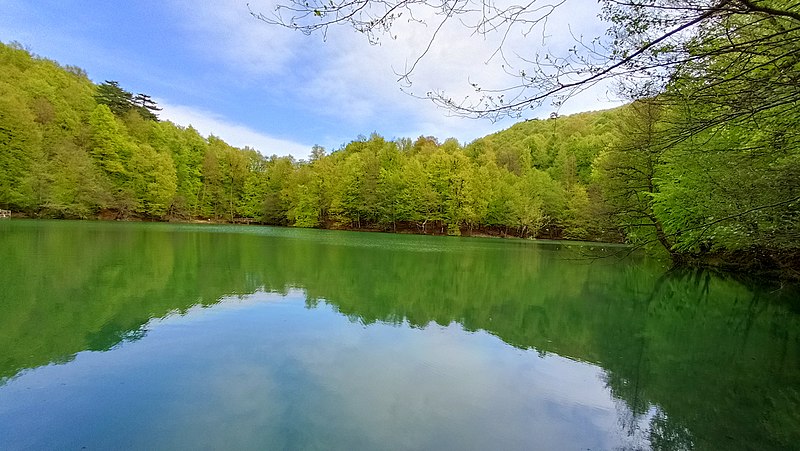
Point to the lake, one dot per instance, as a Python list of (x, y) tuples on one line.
[(162, 336)]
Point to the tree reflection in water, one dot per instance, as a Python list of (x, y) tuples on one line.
[(697, 359)]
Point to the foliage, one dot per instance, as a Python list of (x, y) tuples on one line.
[(648, 45), (120, 101), (625, 174)]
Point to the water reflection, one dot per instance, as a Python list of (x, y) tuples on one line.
[(693, 360)]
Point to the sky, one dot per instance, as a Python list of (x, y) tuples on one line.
[(214, 66)]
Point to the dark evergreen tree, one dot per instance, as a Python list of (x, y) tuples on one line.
[(118, 100), (146, 106)]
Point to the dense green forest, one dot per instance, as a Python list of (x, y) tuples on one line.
[(73, 149)]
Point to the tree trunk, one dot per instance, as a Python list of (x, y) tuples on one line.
[(677, 258)]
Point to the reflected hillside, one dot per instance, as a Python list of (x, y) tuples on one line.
[(69, 288), (719, 359)]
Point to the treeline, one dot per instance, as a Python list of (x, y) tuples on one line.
[(71, 149), (76, 150), (664, 172), (489, 186)]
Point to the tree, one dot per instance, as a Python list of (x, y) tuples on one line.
[(279, 172), (317, 152), (737, 194), (390, 188), (629, 172), (210, 200), (109, 147), (304, 199), (19, 140), (735, 58), (577, 220), (153, 181), (446, 175), (146, 106), (539, 203), (188, 155), (120, 101), (348, 204), (648, 45), (419, 199), (76, 190), (110, 94), (251, 203)]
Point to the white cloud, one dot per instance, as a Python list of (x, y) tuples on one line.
[(353, 85), (231, 65), (208, 123), (225, 30), (358, 82)]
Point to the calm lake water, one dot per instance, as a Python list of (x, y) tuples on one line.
[(160, 336)]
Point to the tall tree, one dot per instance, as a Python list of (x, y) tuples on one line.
[(77, 190), (629, 173), (110, 94), (146, 106), (278, 177), (19, 141), (120, 101), (153, 181)]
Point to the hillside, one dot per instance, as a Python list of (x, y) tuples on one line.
[(73, 149)]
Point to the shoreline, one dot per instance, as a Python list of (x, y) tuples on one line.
[(758, 264)]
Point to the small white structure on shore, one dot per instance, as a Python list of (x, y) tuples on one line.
[(5, 214)]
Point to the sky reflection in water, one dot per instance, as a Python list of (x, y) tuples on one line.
[(267, 372), (146, 336)]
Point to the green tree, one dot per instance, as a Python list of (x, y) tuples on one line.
[(276, 196), (121, 102), (145, 106), (630, 171), (77, 190), (188, 152), (251, 204), (577, 217), (418, 200), (348, 206), (118, 100), (108, 145), (733, 196), (20, 140), (304, 199), (211, 199), (153, 181)]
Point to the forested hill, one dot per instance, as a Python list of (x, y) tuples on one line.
[(73, 149)]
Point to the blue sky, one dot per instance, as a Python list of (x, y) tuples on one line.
[(212, 65)]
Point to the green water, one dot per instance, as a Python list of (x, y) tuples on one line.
[(159, 336)]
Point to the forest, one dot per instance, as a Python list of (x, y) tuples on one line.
[(727, 193)]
